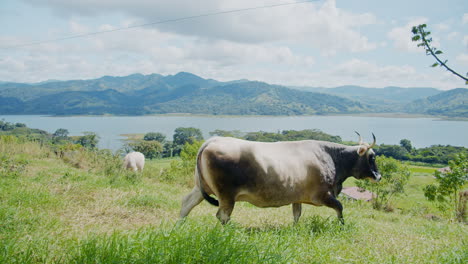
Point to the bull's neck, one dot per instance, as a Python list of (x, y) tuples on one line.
[(345, 158)]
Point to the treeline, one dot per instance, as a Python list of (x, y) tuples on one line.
[(155, 144), (60, 139), (285, 135), (436, 154)]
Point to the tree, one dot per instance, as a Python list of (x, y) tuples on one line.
[(394, 151), (151, 149), (184, 135), (61, 133), (394, 178), (156, 136), (89, 140), (6, 126), (422, 36), (405, 143), (168, 149), (449, 185)]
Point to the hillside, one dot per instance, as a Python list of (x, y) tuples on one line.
[(388, 99), (453, 103), (181, 93), (139, 94)]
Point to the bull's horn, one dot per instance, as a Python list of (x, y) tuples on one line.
[(373, 143), (360, 138)]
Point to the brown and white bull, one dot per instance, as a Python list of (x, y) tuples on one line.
[(276, 174)]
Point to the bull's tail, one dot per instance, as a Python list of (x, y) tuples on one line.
[(207, 197)]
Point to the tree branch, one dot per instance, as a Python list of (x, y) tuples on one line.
[(437, 58), (421, 34)]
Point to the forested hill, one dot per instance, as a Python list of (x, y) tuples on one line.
[(184, 92), (181, 93), (450, 103)]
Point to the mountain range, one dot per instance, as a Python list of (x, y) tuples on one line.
[(184, 92)]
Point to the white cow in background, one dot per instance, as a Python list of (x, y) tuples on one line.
[(134, 161)]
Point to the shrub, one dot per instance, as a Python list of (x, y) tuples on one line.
[(449, 184), (394, 178), (155, 136), (182, 170), (151, 149)]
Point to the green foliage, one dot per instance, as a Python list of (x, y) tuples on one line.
[(189, 135), (182, 170), (394, 178), (436, 154), (61, 132), (448, 186), (451, 103), (11, 167), (291, 135), (406, 143), (168, 149), (183, 135), (227, 133), (424, 40), (156, 136), (89, 140), (394, 151), (7, 126), (151, 149)]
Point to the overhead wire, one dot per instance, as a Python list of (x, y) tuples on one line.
[(152, 23)]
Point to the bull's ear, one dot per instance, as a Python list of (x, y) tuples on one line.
[(362, 150)]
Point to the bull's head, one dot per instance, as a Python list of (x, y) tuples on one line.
[(366, 166)]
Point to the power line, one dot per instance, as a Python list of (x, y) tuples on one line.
[(153, 23)]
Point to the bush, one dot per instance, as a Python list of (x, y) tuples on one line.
[(89, 140), (151, 149), (449, 184), (155, 136), (182, 170), (394, 178)]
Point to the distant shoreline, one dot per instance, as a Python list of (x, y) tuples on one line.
[(383, 115)]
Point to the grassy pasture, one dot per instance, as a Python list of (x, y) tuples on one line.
[(52, 211)]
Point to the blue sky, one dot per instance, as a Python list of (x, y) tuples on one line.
[(319, 43)]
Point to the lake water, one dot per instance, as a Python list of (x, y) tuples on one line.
[(422, 132)]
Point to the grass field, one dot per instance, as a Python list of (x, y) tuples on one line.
[(52, 211)]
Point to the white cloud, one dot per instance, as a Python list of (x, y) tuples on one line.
[(370, 74), (362, 69), (321, 24), (280, 45), (144, 50), (401, 36), (465, 18)]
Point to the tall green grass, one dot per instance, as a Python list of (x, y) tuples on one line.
[(52, 211)]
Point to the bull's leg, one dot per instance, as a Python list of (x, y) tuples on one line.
[(297, 210), (225, 210), (332, 202), (190, 201)]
